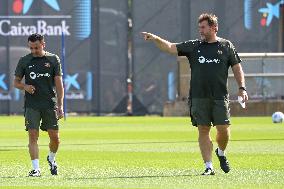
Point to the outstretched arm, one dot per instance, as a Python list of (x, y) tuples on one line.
[(162, 44), (240, 78)]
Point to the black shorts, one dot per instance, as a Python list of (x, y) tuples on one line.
[(206, 111), (43, 119)]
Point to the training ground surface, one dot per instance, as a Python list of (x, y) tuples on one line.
[(143, 152)]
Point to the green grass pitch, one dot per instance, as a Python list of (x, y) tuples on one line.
[(143, 152)]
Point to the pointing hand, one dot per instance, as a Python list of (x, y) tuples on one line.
[(148, 36)]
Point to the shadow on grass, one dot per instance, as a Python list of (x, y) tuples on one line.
[(122, 143), (7, 150), (8, 177), (135, 177), (16, 177), (171, 142), (115, 177)]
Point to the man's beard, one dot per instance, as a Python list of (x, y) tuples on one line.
[(205, 38)]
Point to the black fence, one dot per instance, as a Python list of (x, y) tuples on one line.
[(102, 51)]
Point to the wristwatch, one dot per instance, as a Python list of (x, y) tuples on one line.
[(243, 88)]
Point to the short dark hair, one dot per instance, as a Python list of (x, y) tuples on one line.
[(35, 37), (211, 19)]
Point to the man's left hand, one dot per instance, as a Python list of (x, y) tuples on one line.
[(243, 94), (60, 112)]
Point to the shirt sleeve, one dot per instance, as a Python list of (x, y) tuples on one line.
[(57, 67), (20, 69), (233, 55), (185, 48)]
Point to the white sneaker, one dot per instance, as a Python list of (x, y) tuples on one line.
[(34, 173)]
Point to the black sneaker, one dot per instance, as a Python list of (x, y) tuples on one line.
[(224, 163), (208, 171), (34, 173), (53, 166)]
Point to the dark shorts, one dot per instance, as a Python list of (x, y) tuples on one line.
[(205, 111), (43, 119)]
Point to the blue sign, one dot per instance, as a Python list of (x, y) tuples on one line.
[(2, 83), (71, 81), (28, 3)]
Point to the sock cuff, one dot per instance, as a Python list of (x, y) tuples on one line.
[(35, 164), (221, 152), (209, 164)]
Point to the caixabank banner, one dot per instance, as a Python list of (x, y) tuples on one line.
[(66, 25), (48, 17), (264, 15), (89, 36)]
